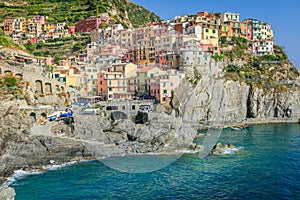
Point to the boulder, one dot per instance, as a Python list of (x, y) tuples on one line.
[(7, 193), (220, 148)]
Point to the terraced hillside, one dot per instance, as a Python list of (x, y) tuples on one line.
[(71, 11)]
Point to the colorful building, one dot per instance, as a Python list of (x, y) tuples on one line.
[(144, 77), (91, 23), (261, 48), (165, 84)]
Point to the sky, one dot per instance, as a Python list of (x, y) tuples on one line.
[(283, 16)]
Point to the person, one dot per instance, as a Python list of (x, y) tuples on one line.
[(42, 121)]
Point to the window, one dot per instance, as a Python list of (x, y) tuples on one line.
[(165, 91), (100, 82), (206, 30), (110, 89), (164, 84), (109, 83), (115, 76), (151, 75)]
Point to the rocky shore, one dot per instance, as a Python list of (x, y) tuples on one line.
[(207, 102), (27, 145)]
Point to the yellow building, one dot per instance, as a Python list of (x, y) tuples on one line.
[(210, 31)]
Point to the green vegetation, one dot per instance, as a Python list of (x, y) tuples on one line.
[(9, 81), (62, 46), (72, 11), (8, 41), (217, 57), (240, 47), (30, 47), (267, 71)]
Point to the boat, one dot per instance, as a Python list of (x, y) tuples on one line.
[(235, 128), (239, 127)]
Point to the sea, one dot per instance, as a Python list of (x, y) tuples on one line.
[(264, 165)]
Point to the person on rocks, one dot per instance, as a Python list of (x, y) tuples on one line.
[(42, 121)]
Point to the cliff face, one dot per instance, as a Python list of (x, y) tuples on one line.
[(273, 104), (210, 99)]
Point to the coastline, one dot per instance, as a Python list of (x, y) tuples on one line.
[(258, 121), (39, 169), (57, 164)]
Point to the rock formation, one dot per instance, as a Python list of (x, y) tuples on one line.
[(214, 100), (7, 193)]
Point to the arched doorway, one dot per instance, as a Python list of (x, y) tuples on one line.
[(8, 72), (19, 76), (39, 86), (33, 116), (48, 88)]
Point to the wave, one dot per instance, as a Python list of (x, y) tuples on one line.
[(230, 151), (19, 174), (55, 167)]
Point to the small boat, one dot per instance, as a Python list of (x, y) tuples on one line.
[(235, 128)]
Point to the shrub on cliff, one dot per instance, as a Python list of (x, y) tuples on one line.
[(10, 81)]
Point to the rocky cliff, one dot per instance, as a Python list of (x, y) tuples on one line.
[(27, 145), (208, 98)]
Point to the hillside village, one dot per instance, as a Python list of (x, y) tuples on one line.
[(148, 61)]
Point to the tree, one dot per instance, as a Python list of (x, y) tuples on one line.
[(30, 47), (57, 58)]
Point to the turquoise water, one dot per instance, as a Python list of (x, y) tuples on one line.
[(267, 166)]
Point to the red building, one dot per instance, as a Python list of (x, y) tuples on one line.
[(102, 84), (71, 30), (89, 24)]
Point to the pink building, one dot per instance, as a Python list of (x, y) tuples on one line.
[(210, 45), (38, 19), (71, 30), (112, 85), (165, 84), (49, 61)]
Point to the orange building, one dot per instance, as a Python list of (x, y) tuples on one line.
[(236, 29)]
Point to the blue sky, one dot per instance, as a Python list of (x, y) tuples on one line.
[(282, 15)]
